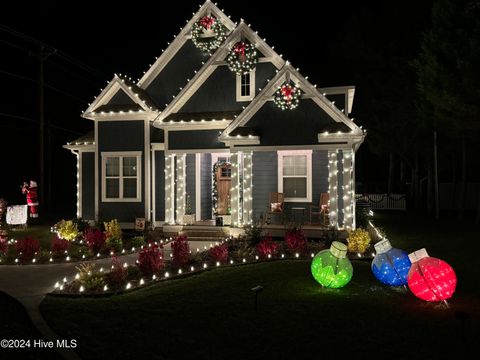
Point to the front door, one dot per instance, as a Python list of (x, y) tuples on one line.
[(223, 175)]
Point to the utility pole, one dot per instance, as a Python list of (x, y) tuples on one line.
[(435, 175)]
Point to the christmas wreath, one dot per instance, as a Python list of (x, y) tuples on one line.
[(208, 34), (287, 97), (242, 58)]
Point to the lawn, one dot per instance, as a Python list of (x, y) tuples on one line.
[(211, 315), (40, 232)]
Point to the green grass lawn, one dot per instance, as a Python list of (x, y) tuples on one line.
[(211, 315), (40, 232)]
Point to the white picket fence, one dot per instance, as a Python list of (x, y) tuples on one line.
[(383, 201)]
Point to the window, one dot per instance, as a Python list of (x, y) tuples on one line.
[(295, 175), (246, 86), (121, 177)]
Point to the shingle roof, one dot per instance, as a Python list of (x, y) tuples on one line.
[(88, 138)]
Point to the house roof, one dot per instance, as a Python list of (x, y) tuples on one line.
[(201, 116), (243, 131), (118, 108), (83, 142)]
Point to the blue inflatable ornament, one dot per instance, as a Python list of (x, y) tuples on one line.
[(390, 265)]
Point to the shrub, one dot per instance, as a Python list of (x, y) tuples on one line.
[(117, 277), (358, 240), (89, 277), (219, 253), (44, 256), (253, 232), (137, 241), (67, 229), (114, 244), (3, 242), (82, 225), (296, 241), (59, 246), (180, 251), (150, 259), (95, 240), (113, 230), (26, 248), (266, 247)]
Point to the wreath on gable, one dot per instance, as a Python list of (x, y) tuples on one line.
[(208, 33), (242, 58), (287, 97)]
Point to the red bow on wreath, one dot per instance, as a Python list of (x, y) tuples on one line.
[(287, 92), (239, 49), (207, 22)]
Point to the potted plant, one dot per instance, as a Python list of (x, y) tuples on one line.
[(189, 217)]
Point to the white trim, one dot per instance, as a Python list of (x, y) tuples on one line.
[(198, 188), (169, 188), (195, 125), (181, 187), (217, 155), (194, 151), (97, 175), (154, 187), (238, 80), (235, 160), (81, 148), (121, 115), (181, 39), (148, 178), (347, 91), (308, 154), (157, 146), (79, 184), (121, 155), (333, 188)]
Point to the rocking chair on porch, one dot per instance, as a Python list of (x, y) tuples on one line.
[(320, 210), (275, 206)]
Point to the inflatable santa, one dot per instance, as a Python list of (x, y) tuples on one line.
[(32, 197)]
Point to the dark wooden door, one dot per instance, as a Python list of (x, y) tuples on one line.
[(223, 177)]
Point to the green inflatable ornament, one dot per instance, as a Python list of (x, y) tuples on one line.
[(331, 268)]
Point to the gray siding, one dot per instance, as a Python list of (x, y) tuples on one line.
[(219, 93), (175, 74), (265, 181), (190, 186), (121, 136), (206, 186), (274, 126), (121, 98), (156, 135), (198, 139), (88, 185), (159, 186)]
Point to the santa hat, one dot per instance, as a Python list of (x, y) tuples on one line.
[(33, 184)]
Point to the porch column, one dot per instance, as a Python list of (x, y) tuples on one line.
[(348, 193), (180, 187), (332, 188), (235, 159), (169, 189), (247, 188)]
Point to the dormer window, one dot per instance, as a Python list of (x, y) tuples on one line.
[(246, 86)]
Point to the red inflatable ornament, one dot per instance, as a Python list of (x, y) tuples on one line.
[(429, 278)]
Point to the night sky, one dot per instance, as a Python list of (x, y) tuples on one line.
[(330, 43)]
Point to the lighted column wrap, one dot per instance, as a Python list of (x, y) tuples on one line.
[(332, 188), (169, 189), (180, 187), (247, 187), (235, 190), (348, 193)]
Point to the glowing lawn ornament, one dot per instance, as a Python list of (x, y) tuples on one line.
[(429, 278), (390, 265), (331, 268)]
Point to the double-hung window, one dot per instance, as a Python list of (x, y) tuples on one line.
[(295, 175), (246, 86), (121, 176)]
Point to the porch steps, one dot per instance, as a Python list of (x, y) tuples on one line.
[(203, 233)]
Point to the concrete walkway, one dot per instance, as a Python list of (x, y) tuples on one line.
[(30, 283)]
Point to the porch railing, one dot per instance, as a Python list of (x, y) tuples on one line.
[(382, 201)]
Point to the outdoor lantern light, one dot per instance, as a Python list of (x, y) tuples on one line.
[(429, 278), (331, 268), (390, 265)]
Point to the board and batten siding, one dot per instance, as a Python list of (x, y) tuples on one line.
[(190, 183), (265, 181), (159, 186), (88, 185), (121, 136), (206, 186)]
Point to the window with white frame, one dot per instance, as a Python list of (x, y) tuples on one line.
[(246, 86), (295, 175), (121, 176)]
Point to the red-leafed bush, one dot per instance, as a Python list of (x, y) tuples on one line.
[(150, 259), (117, 277), (95, 239), (219, 253), (59, 246), (3, 246), (180, 251), (26, 248), (266, 247), (296, 241)]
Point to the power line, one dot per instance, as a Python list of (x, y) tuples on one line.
[(36, 122), (46, 85), (60, 53)]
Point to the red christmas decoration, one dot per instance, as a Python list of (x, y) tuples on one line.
[(239, 49), (429, 278), (32, 197), (207, 22), (287, 92)]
